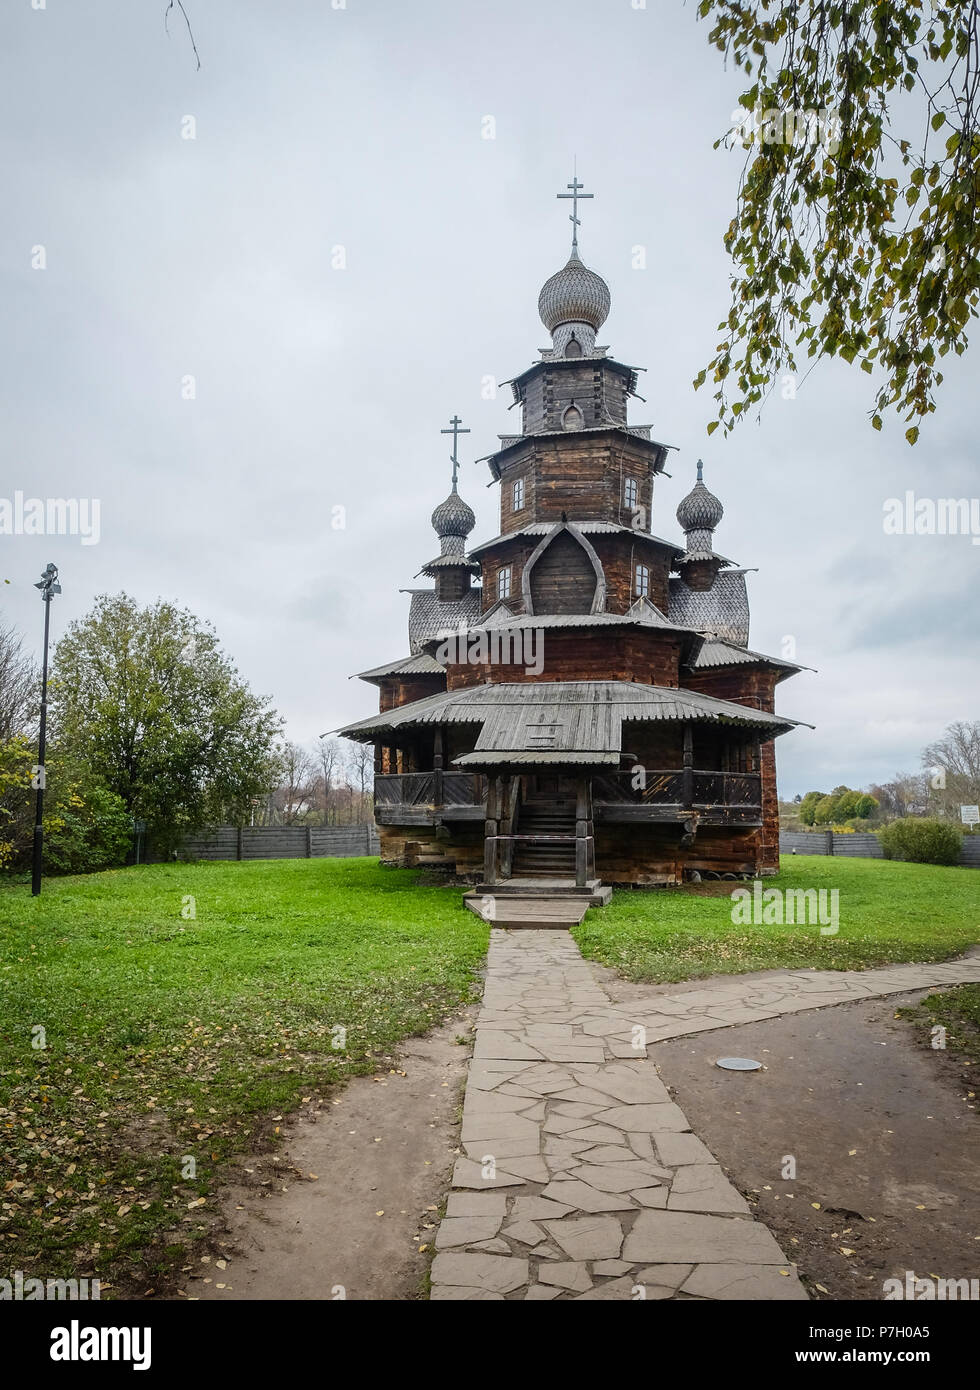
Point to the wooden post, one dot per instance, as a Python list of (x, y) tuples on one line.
[(309, 842), (688, 782), (506, 827), (378, 757), (437, 768), (238, 853), (581, 833), (591, 822), (490, 834)]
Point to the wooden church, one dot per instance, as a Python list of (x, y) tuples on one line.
[(589, 713)]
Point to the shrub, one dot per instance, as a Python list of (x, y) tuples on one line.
[(86, 826), (921, 840)]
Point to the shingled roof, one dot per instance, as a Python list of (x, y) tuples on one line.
[(422, 665), (591, 714)]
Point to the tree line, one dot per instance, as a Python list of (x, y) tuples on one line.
[(948, 778)]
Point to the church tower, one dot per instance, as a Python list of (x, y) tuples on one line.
[(591, 712)]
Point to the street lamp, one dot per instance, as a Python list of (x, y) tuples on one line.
[(49, 586)]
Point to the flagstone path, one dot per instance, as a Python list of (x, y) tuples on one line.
[(581, 1178)]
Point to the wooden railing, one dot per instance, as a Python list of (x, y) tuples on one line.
[(678, 787), (683, 787), (419, 788)]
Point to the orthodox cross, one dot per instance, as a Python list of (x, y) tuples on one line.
[(573, 217), (455, 431)]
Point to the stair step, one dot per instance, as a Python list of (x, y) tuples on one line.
[(595, 892), (529, 913)]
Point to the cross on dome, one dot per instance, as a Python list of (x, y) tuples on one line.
[(573, 216)]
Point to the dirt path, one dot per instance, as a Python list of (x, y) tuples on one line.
[(883, 1134), (384, 1144)]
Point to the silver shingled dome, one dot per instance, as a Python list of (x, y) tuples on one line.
[(453, 517), (574, 295)]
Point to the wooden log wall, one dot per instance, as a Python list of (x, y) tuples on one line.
[(590, 654), (636, 854), (581, 474)]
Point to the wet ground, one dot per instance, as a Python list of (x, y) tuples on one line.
[(880, 1130)]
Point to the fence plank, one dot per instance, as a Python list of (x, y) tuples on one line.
[(280, 842), (860, 845)]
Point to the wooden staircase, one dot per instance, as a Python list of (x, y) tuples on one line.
[(548, 858)]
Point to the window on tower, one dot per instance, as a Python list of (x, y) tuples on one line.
[(518, 494), (631, 492), (573, 419), (642, 585), (503, 582)]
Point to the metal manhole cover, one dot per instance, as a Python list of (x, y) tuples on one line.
[(738, 1064)]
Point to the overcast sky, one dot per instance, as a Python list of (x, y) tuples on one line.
[(316, 387)]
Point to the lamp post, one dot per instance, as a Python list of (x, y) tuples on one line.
[(49, 586)]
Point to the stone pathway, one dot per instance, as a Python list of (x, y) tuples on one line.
[(581, 1178)]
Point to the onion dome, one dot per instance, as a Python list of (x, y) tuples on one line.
[(700, 510), (574, 295), (453, 517)]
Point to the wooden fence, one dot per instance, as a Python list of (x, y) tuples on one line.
[(860, 845), (278, 842)]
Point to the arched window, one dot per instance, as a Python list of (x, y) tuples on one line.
[(631, 492), (573, 419), (642, 586), (518, 494), (503, 582)]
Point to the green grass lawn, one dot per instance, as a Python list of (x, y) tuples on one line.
[(889, 912), (170, 1036)]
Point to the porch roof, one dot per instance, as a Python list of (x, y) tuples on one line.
[(585, 717)]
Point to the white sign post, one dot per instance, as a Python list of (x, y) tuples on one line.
[(970, 815)]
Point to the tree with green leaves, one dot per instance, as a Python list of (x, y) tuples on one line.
[(857, 229), (86, 826), (145, 698)]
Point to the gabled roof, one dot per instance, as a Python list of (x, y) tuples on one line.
[(649, 617), (588, 528)]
